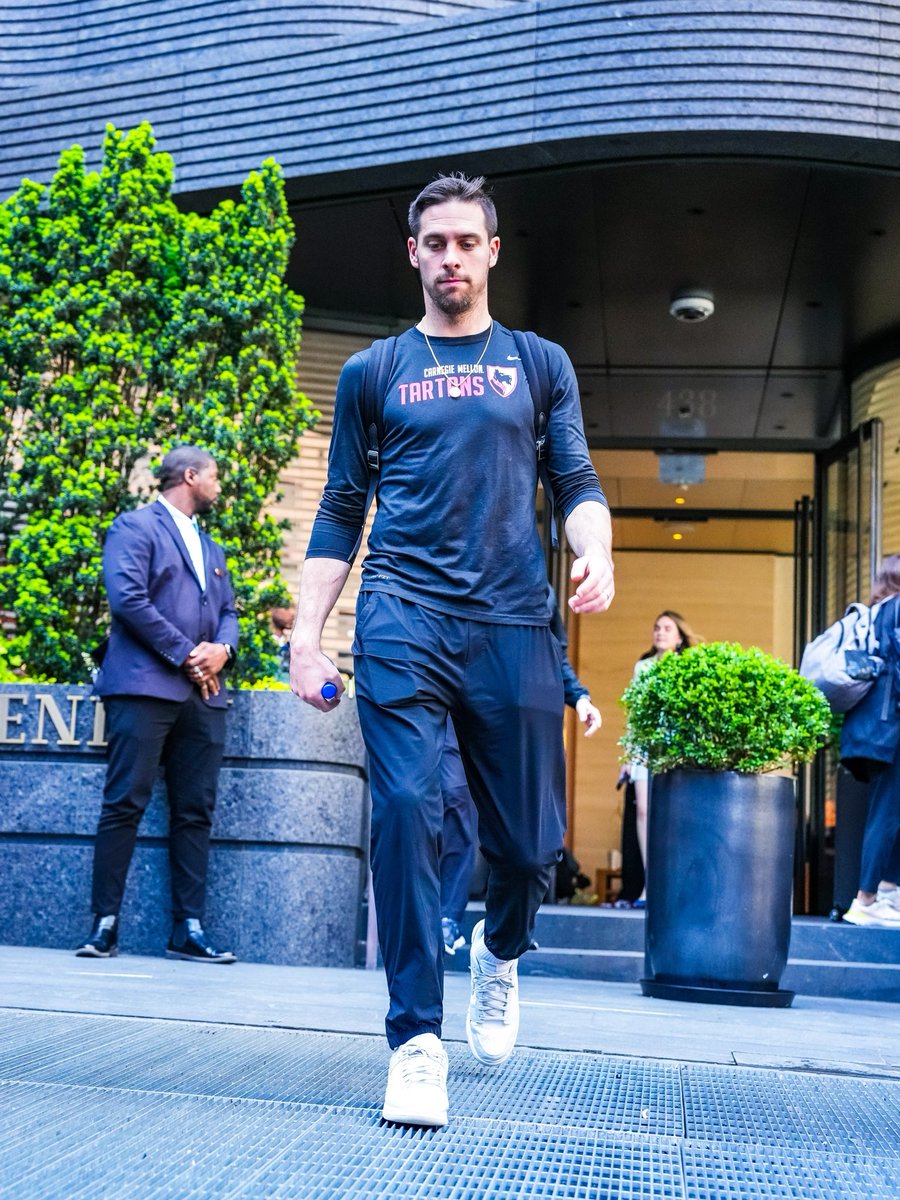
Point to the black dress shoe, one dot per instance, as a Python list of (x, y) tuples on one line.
[(103, 942), (188, 941)]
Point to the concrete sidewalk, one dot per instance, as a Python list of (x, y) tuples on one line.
[(146, 1078)]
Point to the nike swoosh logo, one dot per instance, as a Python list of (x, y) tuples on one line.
[(512, 358)]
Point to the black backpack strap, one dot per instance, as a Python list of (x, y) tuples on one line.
[(379, 364), (533, 354)]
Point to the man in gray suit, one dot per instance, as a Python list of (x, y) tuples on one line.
[(174, 629)]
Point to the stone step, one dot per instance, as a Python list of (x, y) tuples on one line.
[(827, 958)]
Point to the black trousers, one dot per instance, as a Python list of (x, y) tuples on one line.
[(502, 684), (880, 858), (188, 739)]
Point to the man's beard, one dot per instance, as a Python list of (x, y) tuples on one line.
[(449, 304)]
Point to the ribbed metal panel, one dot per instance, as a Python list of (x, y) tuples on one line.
[(65, 36), (877, 394), (541, 81)]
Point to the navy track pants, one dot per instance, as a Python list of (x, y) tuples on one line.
[(460, 831), (502, 685)]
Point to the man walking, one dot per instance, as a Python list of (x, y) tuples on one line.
[(453, 618), (174, 629)]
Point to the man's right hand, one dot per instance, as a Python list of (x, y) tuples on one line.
[(310, 669), (200, 672)]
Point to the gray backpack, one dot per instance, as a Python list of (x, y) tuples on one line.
[(843, 662)]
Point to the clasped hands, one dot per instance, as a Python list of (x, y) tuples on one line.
[(202, 667)]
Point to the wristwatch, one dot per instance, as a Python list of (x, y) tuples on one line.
[(229, 650)]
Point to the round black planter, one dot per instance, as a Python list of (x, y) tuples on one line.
[(721, 850)]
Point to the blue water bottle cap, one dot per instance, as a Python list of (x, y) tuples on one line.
[(329, 691)]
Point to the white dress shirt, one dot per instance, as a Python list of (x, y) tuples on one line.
[(190, 535)]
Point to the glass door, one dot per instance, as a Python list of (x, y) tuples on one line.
[(804, 534), (846, 554)]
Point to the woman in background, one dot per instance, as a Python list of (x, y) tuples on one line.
[(671, 634), (870, 749)]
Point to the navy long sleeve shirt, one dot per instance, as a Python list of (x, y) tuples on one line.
[(455, 528)]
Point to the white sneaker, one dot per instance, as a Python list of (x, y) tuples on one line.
[(880, 914), (890, 896), (416, 1091), (492, 1021)]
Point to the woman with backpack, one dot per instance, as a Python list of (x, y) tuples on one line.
[(870, 750)]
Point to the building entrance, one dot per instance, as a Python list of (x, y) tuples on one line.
[(721, 552)]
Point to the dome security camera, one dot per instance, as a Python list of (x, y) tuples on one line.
[(692, 306)]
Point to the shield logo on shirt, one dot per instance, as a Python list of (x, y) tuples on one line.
[(503, 379)]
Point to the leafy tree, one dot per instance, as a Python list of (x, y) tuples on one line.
[(127, 326)]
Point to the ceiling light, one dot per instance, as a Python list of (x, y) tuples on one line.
[(676, 537), (679, 500)]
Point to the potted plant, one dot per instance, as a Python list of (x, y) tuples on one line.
[(712, 724)]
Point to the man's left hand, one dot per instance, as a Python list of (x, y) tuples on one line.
[(593, 573)]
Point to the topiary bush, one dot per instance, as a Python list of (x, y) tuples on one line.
[(128, 326), (719, 707)]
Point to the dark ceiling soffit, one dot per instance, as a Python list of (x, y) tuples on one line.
[(681, 548), (876, 352), (684, 515), (388, 178), (707, 445), (639, 371)]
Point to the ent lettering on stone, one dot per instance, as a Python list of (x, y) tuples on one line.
[(49, 708), (7, 718), (54, 726)]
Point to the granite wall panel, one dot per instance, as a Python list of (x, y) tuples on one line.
[(288, 857)]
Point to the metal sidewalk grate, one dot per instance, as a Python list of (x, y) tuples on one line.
[(579, 1090), (736, 1174), (113, 1144), (104, 1107), (813, 1112)]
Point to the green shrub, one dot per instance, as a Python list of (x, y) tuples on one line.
[(10, 666), (128, 326), (719, 707)]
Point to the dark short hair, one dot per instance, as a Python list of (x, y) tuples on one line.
[(170, 471), (454, 186)]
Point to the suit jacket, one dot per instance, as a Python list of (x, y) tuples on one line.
[(159, 611)]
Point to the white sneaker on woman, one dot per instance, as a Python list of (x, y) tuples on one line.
[(890, 896), (416, 1091), (879, 914)]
